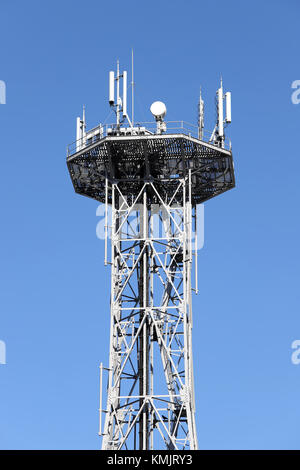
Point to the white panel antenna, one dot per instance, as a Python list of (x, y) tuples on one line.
[(228, 106), (119, 104), (111, 88), (78, 134), (220, 112), (218, 136), (80, 131)]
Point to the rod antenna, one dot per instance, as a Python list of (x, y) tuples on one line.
[(83, 119), (132, 89), (118, 93)]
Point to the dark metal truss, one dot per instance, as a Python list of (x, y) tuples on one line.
[(163, 159)]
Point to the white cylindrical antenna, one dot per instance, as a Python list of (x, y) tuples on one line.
[(201, 106), (220, 112), (124, 93), (200, 117), (228, 106), (111, 88)]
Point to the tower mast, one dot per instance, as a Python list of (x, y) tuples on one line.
[(152, 181)]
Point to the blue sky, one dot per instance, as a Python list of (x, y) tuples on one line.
[(54, 298)]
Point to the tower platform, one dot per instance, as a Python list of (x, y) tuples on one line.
[(130, 160)]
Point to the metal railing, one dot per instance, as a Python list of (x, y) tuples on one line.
[(140, 128)]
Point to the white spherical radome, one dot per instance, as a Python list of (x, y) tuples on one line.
[(158, 109)]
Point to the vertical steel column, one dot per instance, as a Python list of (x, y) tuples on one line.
[(150, 395)]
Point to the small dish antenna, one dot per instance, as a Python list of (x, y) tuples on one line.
[(159, 110)]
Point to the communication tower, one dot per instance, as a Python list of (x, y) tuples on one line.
[(150, 177)]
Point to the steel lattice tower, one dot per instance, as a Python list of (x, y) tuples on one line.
[(150, 184)]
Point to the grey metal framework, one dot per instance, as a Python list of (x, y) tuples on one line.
[(130, 160), (152, 184)]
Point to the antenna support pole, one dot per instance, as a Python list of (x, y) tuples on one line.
[(132, 89)]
